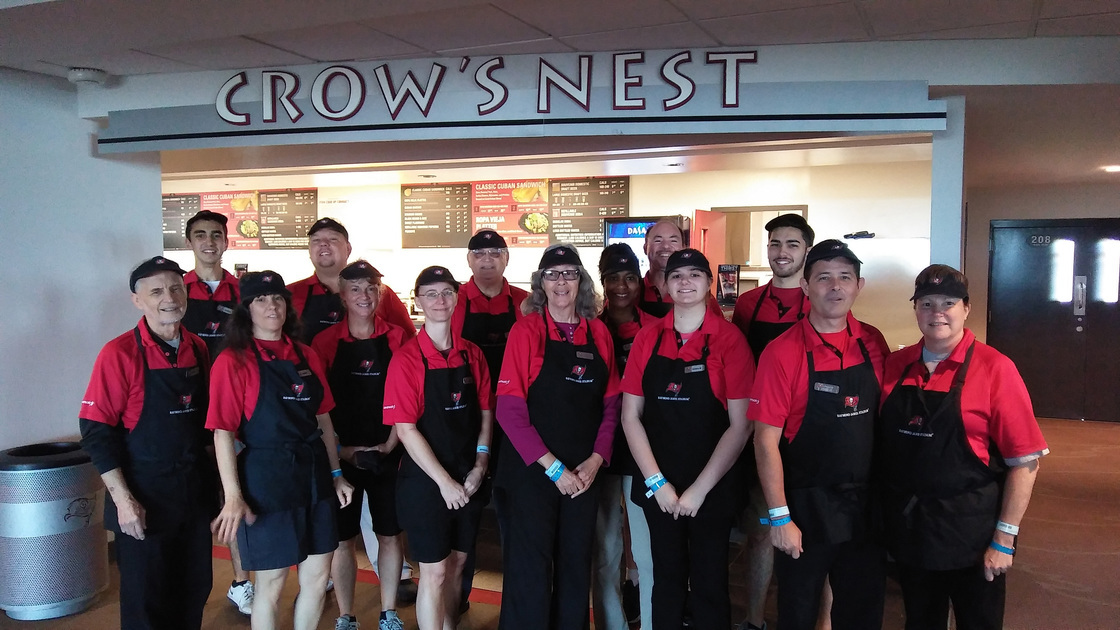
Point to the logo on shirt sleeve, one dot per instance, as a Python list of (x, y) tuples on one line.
[(88, 403)]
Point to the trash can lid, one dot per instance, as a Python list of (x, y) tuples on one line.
[(43, 456)]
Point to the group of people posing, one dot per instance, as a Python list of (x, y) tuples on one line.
[(622, 432)]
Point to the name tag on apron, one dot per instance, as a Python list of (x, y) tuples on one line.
[(584, 355), (304, 373), (692, 369), (828, 388), (225, 309), (192, 372)]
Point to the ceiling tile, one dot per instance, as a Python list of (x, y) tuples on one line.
[(685, 35), (891, 17), (833, 23), (224, 54), (1108, 24), (531, 47), (1069, 8), (467, 27), (578, 17), (123, 62), (338, 42), (707, 9), (1013, 30)]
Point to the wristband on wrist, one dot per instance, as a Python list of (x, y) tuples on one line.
[(1000, 548), (1008, 528), (336, 473), (654, 478), (655, 487), (555, 471), (482, 448), (778, 522), (779, 512)]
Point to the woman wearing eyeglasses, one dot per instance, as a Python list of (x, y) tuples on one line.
[(684, 413), (558, 402), (438, 398)]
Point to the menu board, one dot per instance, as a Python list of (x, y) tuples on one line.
[(516, 209), (177, 210), (267, 219), (435, 215), (578, 207)]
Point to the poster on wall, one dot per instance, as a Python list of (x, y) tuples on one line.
[(577, 208), (266, 219), (242, 210), (177, 210), (516, 209), (435, 215)]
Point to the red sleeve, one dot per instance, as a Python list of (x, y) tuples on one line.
[(605, 344), (325, 344), (115, 380), (877, 348), (1012, 426), (481, 373), (459, 315), (392, 310), (640, 354), (404, 386), (738, 364), (744, 308), (522, 346), (771, 400), (315, 362), (299, 295), (234, 384)]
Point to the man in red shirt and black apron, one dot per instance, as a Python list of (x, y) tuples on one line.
[(143, 424), (814, 403)]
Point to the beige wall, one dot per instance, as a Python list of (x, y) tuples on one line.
[(1028, 202)]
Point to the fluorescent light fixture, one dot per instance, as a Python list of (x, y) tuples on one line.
[(1061, 270), (1108, 271), (1111, 168)]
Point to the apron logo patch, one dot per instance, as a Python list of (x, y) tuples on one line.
[(827, 388), (297, 388), (185, 400), (851, 402), (212, 327), (673, 388), (366, 365), (456, 397), (579, 370), (333, 316), (915, 422)]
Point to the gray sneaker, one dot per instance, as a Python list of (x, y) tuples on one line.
[(390, 622), (344, 623)]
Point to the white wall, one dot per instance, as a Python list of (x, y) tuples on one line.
[(74, 225)]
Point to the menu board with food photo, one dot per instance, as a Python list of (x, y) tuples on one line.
[(177, 210), (435, 215), (578, 206), (516, 209), (242, 209)]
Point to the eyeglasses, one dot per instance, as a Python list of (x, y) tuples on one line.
[(434, 295), (487, 253), (553, 275)]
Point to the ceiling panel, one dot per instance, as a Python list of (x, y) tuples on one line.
[(579, 17), (224, 54), (338, 42), (457, 28), (531, 47), (1108, 24), (707, 9), (123, 63), (686, 35), (891, 17), (993, 31), (1067, 8), (833, 23)]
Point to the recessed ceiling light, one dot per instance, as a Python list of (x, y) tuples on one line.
[(1111, 168), (426, 176)]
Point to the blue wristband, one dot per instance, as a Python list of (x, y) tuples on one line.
[(778, 522), (1000, 548), (655, 487), (336, 473), (555, 471), (482, 448), (654, 478)]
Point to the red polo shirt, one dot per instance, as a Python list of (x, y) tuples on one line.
[(481, 303), (793, 300), (729, 369), (325, 344), (115, 394), (781, 386), (630, 329), (404, 386), (235, 382), (651, 294), (389, 307), (227, 290), (995, 405)]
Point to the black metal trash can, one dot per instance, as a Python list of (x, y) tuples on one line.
[(54, 547)]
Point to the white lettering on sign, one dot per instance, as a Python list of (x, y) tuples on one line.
[(394, 99), (731, 63), (578, 92), (623, 80), (484, 78), (356, 92), (291, 86), (225, 98), (672, 75)]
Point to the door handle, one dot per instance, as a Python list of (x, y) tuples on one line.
[(1079, 283)]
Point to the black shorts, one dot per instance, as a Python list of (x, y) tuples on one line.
[(433, 530), (381, 488), (278, 540)]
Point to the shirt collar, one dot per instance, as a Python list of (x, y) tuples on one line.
[(472, 291), (380, 327), (813, 340), (958, 353)]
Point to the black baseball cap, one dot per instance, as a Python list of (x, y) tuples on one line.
[(360, 270), (435, 274), (151, 267), (688, 257), (940, 280), (206, 215), (794, 221), (327, 223), (829, 249), (257, 283), (559, 255), (618, 257), (486, 239)]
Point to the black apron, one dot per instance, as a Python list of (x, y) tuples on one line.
[(451, 423), (208, 319), (489, 332), (940, 501), (320, 312), (565, 404), (167, 470), (828, 463), (659, 308), (684, 421), (622, 460), (760, 334), (284, 465), (357, 380)]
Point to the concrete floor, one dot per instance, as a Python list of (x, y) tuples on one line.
[(1066, 574)]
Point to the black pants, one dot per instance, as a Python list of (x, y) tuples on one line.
[(857, 572), (690, 553), (547, 556), (977, 603), (166, 578)]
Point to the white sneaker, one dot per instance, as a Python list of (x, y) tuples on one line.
[(390, 622), (344, 623), (242, 597)]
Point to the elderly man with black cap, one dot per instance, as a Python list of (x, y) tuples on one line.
[(315, 299), (814, 407), (143, 423)]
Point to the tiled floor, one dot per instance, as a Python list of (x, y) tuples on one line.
[(1066, 575)]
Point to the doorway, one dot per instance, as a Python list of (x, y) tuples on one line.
[(1052, 308)]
